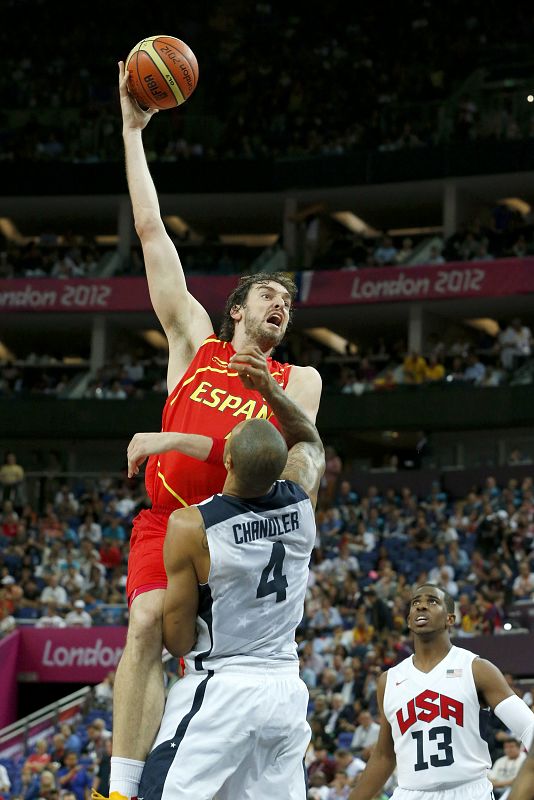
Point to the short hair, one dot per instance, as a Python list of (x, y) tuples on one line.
[(240, 294), (449, 599), (259, 454)]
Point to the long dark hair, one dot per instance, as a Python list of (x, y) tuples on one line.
[(239, 296)]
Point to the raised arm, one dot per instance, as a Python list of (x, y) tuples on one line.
[(305, 463), (382, 759), (185, 322)]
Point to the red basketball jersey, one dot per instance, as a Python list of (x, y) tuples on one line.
[(210, 399)]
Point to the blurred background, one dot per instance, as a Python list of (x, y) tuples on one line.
[(385, 157)]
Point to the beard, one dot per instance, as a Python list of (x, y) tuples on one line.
[(260, 333)]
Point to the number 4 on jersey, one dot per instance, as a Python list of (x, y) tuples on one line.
[(278, 584)]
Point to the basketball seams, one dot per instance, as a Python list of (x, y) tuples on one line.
[(193, 67), (162, 67), (152, 100)]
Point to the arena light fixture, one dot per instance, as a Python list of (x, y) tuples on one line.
[(354, 223), (485, 324), (176, 224), (516, 204), (11, 232), (329, 338), (155, 339)]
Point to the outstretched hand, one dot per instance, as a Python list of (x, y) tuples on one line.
[(143, 445), (133, 116), (251, 365)]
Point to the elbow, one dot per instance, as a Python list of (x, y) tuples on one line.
[(177, 638), (148, 224)]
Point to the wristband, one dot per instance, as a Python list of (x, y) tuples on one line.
[(215, 455)]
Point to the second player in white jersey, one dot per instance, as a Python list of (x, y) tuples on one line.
[(435, 723), (430, 713), (259, 562)]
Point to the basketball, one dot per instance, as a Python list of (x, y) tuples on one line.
[(163, 72)]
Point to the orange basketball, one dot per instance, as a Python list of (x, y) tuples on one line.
[(163, 72)]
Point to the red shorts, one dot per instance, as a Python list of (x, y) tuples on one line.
[(146, 570)]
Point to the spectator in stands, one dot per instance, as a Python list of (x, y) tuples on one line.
[(386, 253), (40, 758), (44, 787), (333, 469), (475, 370), (523, 586), (441, 564), (414, 368), (386, 380), (5, 783), (58, 750), (435, 257), (103, 691), (90, 529), (74, 777), (505, 769), (50, 618), (365, 735), (72, 740), (322, 763), (348, 763), (346, 495), (515, 342), (114, 530), (78, 617), (434, 369), (12, 479), (54, 592), (405, 252), (97, 735)]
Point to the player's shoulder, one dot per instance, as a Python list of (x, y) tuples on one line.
[(212, 342), (185, 531), (290, 490), (305, 373)]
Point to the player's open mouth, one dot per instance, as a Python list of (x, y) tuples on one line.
[(421, 620), (275, 319)]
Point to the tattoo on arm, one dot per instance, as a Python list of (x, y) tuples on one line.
[(304, 466)]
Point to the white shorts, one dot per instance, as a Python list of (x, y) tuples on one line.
[(231, 735), (472, 790)]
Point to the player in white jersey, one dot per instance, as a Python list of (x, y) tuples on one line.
[(430, 708), (235, 726), (523, 786)]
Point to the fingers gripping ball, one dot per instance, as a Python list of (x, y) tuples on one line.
[(163, 72)]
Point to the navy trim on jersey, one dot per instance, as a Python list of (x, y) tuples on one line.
[(484, 725), (222, 507), (205, 606), (160, 759)]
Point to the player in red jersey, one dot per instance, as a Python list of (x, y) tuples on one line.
[(205, 396)]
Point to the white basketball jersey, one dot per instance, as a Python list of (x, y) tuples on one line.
[(435, 720), (254, 599)]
